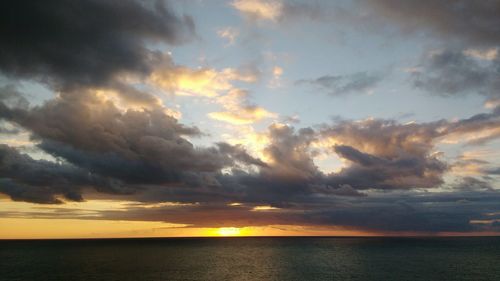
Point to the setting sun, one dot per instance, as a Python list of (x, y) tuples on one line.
[(229, 231)]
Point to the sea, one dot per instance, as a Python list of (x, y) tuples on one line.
[(247, 258)]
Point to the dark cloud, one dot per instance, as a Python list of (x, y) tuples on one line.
[(475, 23), (460, 21), (341, 190), (8, 130), (86, 126), (10, 96), (473, 184), (296, 11), (449, 73), (402, 171), (383, 154), (145, 153), (84, 42), (494, 171), (290, 153), (429, 212), (134, 145), (387, 155), (338, 85), (487, 123), (461, 27), (41, 181), (238, 153)]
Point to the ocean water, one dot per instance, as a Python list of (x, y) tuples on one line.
[(252, 259)]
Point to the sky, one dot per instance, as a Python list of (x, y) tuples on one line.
[(249, 117)]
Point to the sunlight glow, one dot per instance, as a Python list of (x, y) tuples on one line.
[(229, 231)]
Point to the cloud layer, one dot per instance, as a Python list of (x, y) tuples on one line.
[(106, 130)]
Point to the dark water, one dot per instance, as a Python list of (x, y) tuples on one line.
[(252, 259)]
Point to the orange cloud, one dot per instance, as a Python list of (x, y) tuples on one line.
[(229, 33), (258, 9), (245, 115)]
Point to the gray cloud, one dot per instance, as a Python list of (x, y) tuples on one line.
[(145, 154), (76, 55), (474, 23), (383, 155), (40, 181), (451, 73), (460, 26), (386, 155), (290, 153), (338, 85), (412, 212), (59, 43), (8, 130), (461, 21), (238, 153), (143, 145), (473, 184), (494, 171), (10, 96)]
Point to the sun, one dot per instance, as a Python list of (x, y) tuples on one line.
[(228, 231)]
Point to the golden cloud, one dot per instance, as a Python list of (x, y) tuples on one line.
[(258, 9), (245, 115)]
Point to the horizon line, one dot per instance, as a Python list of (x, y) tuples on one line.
[(249, 236)]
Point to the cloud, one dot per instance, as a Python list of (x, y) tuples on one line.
[(466, 166), (238, 110), (147, 147), (449, 73), (427, 213), (360, 82), (488, 54), (8, 130), (380, 154), (215, 85), (228, 33), (290, 12), (244, 115), (101, 123), (239, 153), (475, 130), (258, 9), (41, 181), (473, 184), (288, 153), (492, 103), (385, 155), (204, 82), (10, 96), (60, 44), (475, 24), (275, 82), (455, 22), (469, 33), (148, 144)]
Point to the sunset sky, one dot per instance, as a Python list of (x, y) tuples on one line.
[(249, 117)]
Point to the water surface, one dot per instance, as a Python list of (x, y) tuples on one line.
[(298, 258)]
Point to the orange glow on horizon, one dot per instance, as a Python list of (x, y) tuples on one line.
[(229, 231), (31, 228)]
